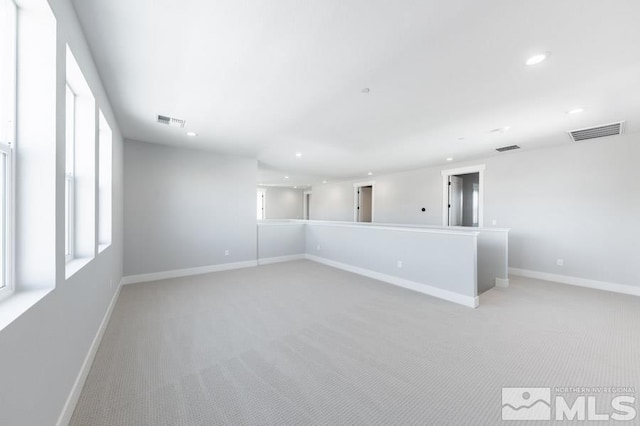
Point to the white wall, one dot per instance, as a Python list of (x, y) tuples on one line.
[(332, 202), (435, 262), (42, 351), (283, 203), (184, 208), (579, 202)]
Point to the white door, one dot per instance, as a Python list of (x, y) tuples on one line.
[(455, 201), (260, 205)]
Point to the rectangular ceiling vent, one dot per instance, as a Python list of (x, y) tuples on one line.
[(170, 121), (507, 148), (597, 132)]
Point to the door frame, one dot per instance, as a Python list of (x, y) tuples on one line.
[(445, 190), (356, 186), (263, 191)]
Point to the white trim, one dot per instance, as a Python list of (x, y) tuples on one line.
[(263, 191), (464, 170), (450, 296), (7, 204), (279, 259), (176, 273), (281, 222), (356, 187), (445, 190), (74, 395), (502, 282), (577, 281), (409, 228), (15, 304)]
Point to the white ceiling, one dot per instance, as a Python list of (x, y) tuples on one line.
[(269, 78)]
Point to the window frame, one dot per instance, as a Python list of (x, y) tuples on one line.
[(7, 190), (69, 177), (6, 224)]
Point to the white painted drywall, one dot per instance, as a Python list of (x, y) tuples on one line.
[(184, 208), (333, 201), (278, 239), (283, 203), (578, 202), (42, 351), (446, 261)]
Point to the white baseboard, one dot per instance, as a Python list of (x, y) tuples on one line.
[(270, 260), (176, 273), (580, 282), (450, 296), (74, 395), (502, 283)]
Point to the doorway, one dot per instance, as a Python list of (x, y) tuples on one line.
[(307, 205), (364, 202), (462, 196)]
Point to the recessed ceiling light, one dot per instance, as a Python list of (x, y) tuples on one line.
[(575, 111), (286, 177), (460, 139), (536, 59), (192, 134), (369, 174), (298, 154), (366, 90), (324, 181), (500, 130), (295, 187), (449, 158)]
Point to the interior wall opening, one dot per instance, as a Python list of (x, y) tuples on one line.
[(307, 206), (462, 202), (363, 211), (463, 199)]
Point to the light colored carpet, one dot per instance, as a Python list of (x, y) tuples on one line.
[(300, 343)]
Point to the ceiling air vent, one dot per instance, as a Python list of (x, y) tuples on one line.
[(507, 148), (597, 132), (170, 121)]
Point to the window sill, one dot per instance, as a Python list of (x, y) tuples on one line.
[(103, 247), (18, 303), (75, 265)]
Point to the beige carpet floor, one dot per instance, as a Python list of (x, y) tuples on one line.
[(301, 343)]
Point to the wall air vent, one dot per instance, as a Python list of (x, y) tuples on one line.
[(507, 148), (170, 121), (597, 132)]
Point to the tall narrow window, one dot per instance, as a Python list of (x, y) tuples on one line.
[(105, 153), (69, 182), (80, 169), (8, 36)]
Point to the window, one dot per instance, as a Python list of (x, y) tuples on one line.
[(69, 182), (105, 153), (8, 36), (81, 147)]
